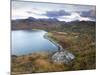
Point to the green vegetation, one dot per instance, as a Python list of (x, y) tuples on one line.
[(80, 40), (81, 45), (77, 37), (33, 63)]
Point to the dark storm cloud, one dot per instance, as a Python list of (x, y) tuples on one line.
[(56, 14), (91, 14)]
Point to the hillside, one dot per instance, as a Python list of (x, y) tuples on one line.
[(77, 37), (50, 24), (31, 23)]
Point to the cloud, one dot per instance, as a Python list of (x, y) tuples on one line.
[(21, 10), (55, 14), (36, 11), (73, 17), (22, 14), (91, 13)]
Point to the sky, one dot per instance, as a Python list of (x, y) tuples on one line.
[(62, 12)]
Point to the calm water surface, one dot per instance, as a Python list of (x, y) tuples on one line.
[(28, 41)]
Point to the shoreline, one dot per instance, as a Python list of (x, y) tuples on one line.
[(60, 48), (46, 36)]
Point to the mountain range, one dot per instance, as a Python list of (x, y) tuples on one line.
[(53, 23)]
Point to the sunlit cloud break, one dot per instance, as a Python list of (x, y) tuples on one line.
[(62, 12)]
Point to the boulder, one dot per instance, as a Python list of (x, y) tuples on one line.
[(62, 57)]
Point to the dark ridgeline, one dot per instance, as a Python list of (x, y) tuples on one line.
[(31, 23), (50, 24)]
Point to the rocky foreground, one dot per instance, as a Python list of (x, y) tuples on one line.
[(38, 62)]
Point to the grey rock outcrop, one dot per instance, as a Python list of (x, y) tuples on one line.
[(62, 57)]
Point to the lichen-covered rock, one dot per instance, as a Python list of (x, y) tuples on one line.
[(63, 57)]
